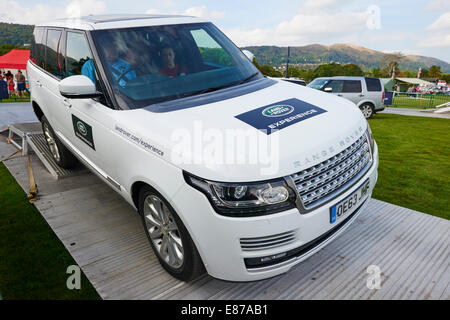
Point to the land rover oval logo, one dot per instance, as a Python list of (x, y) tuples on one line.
[(81, 128), (277, 110)]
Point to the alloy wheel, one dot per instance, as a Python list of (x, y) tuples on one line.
[(163, 231)]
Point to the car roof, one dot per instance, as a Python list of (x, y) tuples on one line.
[(114, 21)]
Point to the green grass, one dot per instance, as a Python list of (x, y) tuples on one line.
[(33, 262), (14, 100), (414, 169), (419, 101)]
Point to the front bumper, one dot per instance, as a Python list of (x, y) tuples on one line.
[(218, 238)]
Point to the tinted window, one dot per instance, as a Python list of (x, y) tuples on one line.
[(352, 86), (54, 58), (77, 55), (37, 53), (335, 85), (373, 84)]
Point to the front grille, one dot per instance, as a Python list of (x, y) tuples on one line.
[(325, 180), (269, 242)]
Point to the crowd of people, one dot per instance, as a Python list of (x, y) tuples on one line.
[(12, 85)]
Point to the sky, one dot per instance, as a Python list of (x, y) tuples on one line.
[(411, 27)]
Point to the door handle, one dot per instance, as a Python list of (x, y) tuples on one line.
[(38, 83), (67, 103), (361, 95), (339, 95)]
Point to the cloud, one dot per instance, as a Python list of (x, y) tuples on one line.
[(302, 28), (14, 12), (200, 12), (437, 5), (443, 22), (78, 8), (439, 40)]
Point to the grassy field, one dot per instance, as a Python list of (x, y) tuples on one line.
[(33, 262), (414, 167), (419, 101)]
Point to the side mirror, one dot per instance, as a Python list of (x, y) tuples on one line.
[(249, 55), (328, 89), (78, 87)]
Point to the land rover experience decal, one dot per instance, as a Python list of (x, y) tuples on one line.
[(83, 131), (280, 115)]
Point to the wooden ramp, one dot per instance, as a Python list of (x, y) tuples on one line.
[(105, 237)]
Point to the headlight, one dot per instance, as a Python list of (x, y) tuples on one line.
[(245, 199), (370, 137)]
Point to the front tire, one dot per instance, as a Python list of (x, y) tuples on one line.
[(62, 156), (367, 110), (168, 236)]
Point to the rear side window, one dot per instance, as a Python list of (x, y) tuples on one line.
[(78, 56), (352, 86), (373, 84), (54, 53), (37, 53)]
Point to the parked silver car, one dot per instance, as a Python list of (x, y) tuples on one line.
[(366, 93)]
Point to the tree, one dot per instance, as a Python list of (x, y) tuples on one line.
[(351, 70), (435, 72), (390, 62)]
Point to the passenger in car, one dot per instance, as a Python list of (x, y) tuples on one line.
[(171, 69)]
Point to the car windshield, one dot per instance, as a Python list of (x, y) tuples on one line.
[(149, 65), (318, 83)]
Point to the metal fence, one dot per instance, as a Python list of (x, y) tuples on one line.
[(418, 100)]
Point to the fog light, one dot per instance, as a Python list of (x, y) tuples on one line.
[(275, 195)]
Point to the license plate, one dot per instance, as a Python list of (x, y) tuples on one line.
[(349, 204)]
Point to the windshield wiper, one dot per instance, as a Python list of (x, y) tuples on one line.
[(226, 85), (248, 78)]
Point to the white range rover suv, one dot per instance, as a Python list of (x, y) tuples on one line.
[(142, 101)]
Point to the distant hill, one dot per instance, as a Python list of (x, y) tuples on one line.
[(312, 55), (306, 56), (15, 34)]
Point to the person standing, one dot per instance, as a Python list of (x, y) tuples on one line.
[(11, 84), (20, 79), (3, 89)]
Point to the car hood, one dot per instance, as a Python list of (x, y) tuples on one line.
[(224, 140)]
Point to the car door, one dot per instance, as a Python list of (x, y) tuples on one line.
[(88, 120), (48, 80), (352, 90), (334, 86)]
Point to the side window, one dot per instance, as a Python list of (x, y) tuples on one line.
[(353, 86), (210, 50), (78, 56), (37, 52), (373, 84), (54, 53), (335, 85)]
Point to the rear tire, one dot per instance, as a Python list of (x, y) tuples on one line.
[(367, 110), (168, 236), (62, 156)]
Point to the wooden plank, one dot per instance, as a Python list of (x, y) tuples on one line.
[(105, 236)]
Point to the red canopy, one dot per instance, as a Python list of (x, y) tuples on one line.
[(15, 59)]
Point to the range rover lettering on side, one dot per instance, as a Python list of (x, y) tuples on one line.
[(231, 172)]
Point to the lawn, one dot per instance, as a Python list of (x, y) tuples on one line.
[(425, 101), (414, 167), (33, 262)]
